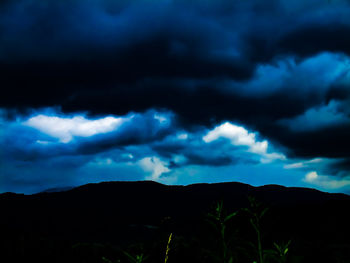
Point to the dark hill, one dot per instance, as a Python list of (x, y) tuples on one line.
[(122, 212)]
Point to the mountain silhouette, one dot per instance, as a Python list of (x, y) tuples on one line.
[(122, 212)]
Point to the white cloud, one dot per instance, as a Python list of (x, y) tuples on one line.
[(155, 166), (315, 160), (182, 136), (268, 157), (294, 165), (42, 142), (164, 118), (302, 164), (66, 128), (311, 177), (239, 136), (160, 118), (325, 181), (127, 156)]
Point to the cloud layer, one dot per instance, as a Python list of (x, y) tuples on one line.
[(259, 81), (152, 146)]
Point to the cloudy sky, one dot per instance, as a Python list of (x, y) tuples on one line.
[(175, 91)]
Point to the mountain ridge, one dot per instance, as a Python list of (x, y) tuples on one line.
[(123, 213), (267, 186)]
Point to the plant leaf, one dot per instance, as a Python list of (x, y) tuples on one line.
[(227, 218)]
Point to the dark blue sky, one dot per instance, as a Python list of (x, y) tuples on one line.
[(176, 91)]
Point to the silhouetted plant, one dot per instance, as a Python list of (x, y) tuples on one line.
[(106, 260), (168, 248), (135, 259), (256, 212), (280, 251), (219, 221)]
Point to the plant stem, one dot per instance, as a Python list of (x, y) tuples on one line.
[(168, 248), (260, 246)]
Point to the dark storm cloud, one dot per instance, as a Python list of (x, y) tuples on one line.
[(253, 62), (141, 129), (189, 149), (60, 51), (339, 166), (326, 142), (68, 53), (317, 38)]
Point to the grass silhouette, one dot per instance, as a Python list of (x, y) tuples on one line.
[(220, 234), (219, 219)]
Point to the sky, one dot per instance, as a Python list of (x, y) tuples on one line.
[(175, 91)]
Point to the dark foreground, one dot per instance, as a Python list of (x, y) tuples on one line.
[(132, 222)]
